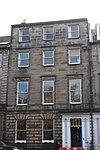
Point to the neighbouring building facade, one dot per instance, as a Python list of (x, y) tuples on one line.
[(49, 94), (95, 73), (4, 52)]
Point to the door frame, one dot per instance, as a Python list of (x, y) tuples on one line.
[(66, 130), (76, 130)]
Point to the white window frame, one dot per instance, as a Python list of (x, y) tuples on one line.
[(51, 33), (70, 32), (1, 59), (98, 31), (80, 82), (69, 54), (47, 141), (21, 35), (44, 57), (43, 83), (22, 92), (18, 141), (98, 54), (21, 59)]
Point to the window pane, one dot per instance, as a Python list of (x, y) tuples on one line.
[(48, 33), (25, 38), (74, 52), (48, 123), (74, 59), (75, 96), (48, 30), (48, 54), (21, 124), (76, 122), (24, 35), (48, 129), (48, 135), (48, 97), (48, 61), (21, 129), (22, 98), (75, 90), (48, 36), (23, 60), (22, 93), (23, 86), (74, 56), (74, 28), (48, 58), (73, 31), (48, 91), (21, 135), (25, 32), (74, 34), (75, 85), (48, 86), (24, 55)]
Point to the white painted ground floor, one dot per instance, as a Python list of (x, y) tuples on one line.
[(76, 130)]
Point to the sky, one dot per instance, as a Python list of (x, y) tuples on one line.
[(15, 11)]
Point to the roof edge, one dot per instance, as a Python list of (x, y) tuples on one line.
[(50, 22)]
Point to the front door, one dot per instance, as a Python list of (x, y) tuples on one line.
[(76, 132)]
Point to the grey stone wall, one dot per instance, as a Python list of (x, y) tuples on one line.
[(3, 89), (60, 31), (95, 75), (3, 77), (34, 128)]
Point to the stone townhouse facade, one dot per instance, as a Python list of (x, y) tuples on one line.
[(4, 52), (49, 94), (95, 73)]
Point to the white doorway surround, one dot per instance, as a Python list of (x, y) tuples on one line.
[(66, 129), (96, 123)]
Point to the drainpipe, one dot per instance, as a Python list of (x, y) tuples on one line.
[(91, 90), (91, 105), (91, 96)]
